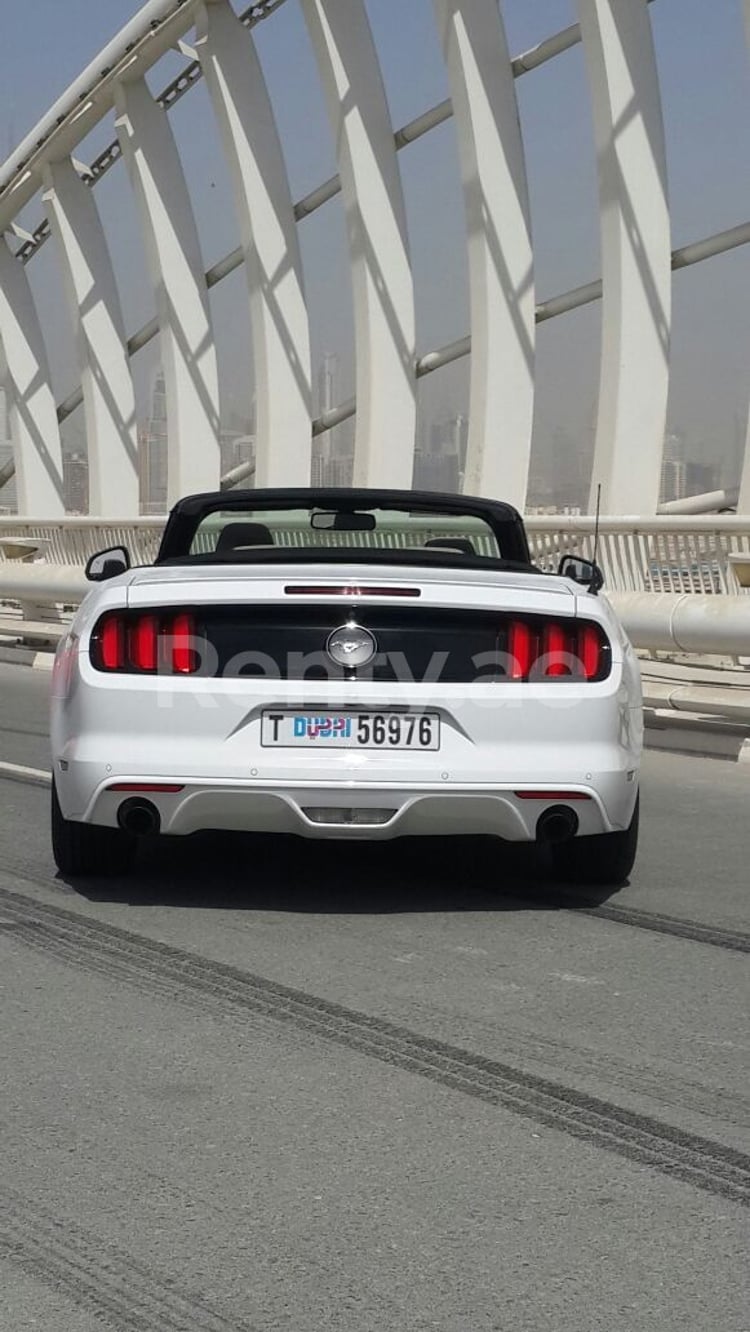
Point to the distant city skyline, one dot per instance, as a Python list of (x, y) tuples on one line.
[(558, 477)]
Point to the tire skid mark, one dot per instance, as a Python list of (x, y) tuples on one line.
[(695, 931), (97, 1276), (584, 1061), (734, 941), (188, 977)]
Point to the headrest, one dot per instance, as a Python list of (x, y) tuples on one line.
[(461, 544), (238, 536)]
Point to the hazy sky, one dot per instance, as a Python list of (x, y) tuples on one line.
[(705, 75)]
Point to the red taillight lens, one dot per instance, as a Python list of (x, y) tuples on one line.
[(314, 590), (590, 648), (111, 643), (144, 644), (556, 650), (182, 637), (549, 795), (559, 650), (521, 644), (156, 788)]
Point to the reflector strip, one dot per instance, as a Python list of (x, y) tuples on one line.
[(552, 795), (166, 788)]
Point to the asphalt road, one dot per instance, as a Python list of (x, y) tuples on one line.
[(273, 1085)]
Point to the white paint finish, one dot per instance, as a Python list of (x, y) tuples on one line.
[(488, 752), (25, 372), (499, 241), (636, 260), (376, 223), (281, 338), (108, 398), (187, 345)]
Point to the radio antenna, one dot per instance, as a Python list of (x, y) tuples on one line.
[(596, 520)]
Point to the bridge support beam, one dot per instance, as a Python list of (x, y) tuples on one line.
[(499, 240), (108, 398), (376, 224), (281, 338), (743, 503), (25, 372), (179, 283), (636, 258)]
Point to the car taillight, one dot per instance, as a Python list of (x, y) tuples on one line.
[(521, 643), (557, 647), (111, 644), (557, 650), (181, 644), (154, 642), (143, 643)]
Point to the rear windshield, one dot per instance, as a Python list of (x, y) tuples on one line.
[(248, 532)]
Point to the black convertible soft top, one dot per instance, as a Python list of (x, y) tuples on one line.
[(502, 519)]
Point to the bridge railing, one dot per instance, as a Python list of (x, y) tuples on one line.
[(659, 554), (698, 554)]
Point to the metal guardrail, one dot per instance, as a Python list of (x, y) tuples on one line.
[(657, 554), (653, 554)]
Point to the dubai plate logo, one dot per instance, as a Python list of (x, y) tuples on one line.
[(350, 645)]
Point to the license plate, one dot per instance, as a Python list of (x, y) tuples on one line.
[(351, 730)]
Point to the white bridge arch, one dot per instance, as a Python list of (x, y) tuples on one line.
[(218, 44)]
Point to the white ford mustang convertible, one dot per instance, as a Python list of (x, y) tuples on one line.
[(346, 664)]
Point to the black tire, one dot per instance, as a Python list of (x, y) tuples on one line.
[(85, 849), (605, 859)]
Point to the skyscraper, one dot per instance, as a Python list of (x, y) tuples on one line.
[(8, 501), (441, 465), (673, 468), (333, 451), (152, 451), (76, 482)]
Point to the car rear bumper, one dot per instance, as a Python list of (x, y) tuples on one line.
[(371, 811), (207, 739)]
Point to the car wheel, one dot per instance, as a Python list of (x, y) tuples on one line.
[(605, 859), (84, 849)]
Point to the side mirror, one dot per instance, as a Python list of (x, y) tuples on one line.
[(582, 571), (107, 564)]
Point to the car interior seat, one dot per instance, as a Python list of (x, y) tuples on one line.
[(240, 536), (461, 544)]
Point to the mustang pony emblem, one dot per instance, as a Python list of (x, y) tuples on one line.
[(351, 645)]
